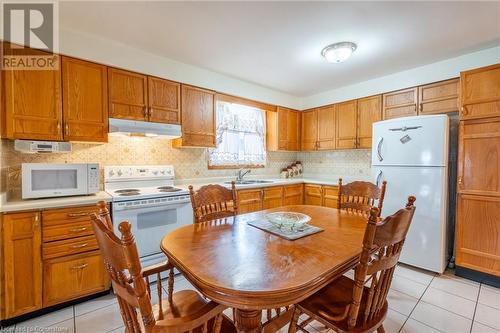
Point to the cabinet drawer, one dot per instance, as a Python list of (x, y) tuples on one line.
[(65, 231), (74, 215), (72, 277), (69, 246)]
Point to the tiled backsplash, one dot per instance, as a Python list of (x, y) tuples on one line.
[(189, 162)]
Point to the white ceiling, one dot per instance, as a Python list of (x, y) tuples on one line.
[(278, 44)]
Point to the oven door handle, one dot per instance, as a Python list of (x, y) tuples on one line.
[(155, 206)]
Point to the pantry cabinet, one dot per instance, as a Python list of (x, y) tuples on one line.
[(128, 95), (480, 93), (439, 97), (198, 118), (63, 264), (283, 129), (401, 103), (85, 100), (22, 264), (369, 112), (346, 115), (32, 102), (309, 132)]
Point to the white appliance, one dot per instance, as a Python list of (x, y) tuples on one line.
[(45, 180), (32, 147), (145, 197), (125, 126), (411, 154)]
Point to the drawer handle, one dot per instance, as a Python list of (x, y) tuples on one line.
[(78, 214), (78, 229), (78, 246), (80, 266)]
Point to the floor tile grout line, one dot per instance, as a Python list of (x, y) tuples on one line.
[(99, 308), (450, 293), (418, 301), (421, 322), (74, 318)]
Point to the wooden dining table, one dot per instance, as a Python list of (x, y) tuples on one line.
[(249, 269)]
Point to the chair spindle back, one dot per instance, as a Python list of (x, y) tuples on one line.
[(360, 196), (212, 202)]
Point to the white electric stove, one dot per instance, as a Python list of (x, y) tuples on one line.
[(147, 198)]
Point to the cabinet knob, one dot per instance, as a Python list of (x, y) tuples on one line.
[(36, 220), (460, 181), (79, 266), (66, 129), (464, 111)]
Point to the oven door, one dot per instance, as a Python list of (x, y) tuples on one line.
[(150, 224), (43, 180)]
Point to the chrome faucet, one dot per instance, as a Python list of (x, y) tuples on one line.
[(241, 173)]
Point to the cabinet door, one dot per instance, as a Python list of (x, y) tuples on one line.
[(369, 112), (479, 157), (22, 263), (282, 128), (71, 277), (85, 97), (164, 101), (33, 103), (293, 195), (480, 92), (128, 95), (249, 201), (330, 196), (440, 97), (273, 197), (401, 103), (198, 118), (478, 233), (326, 128), (309, 130), (313, 194), (346, 115), (293, 130)]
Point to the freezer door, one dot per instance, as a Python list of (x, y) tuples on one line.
[(425, 245), (419, 140)]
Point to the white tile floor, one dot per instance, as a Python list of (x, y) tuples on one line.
[(419, 301)]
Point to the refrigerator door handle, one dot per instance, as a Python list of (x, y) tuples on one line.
[(379, 147), (379, 178)]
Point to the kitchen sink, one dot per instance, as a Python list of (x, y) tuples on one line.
[(250, 181)]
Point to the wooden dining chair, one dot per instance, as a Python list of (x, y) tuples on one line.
[(360, 305), (360, 196), (182, 311), (212, 202)]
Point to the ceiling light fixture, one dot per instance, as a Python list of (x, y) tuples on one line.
[(338, 52)]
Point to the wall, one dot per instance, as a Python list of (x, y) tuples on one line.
[(333, 164), (437, 71), (122, 150)]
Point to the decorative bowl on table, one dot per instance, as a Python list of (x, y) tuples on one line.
[(288, 220)]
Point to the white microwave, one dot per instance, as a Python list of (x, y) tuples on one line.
[(45, 180)]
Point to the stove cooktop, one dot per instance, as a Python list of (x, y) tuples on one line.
[(146, 192)]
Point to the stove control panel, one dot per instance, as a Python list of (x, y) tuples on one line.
[(136, 172)]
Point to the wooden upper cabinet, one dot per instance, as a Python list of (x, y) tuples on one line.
[(401, 103), (198, 118), (293, 128), (283, 129), (128, 95), (479, 157), (440, 97), (85, 97), (369, 112), (480, 93), (164, 101), (22, 264), (33, 104), (326, 127), (346, 116), (309, 130)]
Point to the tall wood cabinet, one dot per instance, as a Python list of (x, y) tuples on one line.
[(85, 100), (478, 207), (198, 118)]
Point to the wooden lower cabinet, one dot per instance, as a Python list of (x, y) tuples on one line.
[(313, 195), (272, 197), (478, 233), (293, 195), (21, 264), (330, 196), (70, 277), (249, 200)]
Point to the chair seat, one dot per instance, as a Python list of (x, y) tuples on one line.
[(333, 300)]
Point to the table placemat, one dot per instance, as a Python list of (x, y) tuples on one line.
[(287, 234)]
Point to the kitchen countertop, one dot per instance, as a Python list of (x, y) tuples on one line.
[(18, 204), (34, 204)]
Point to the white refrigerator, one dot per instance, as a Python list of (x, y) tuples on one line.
[(411, 154)]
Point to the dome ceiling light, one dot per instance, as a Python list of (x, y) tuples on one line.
[(338, 52)]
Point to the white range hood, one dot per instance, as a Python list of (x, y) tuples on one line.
[(171, 131)]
